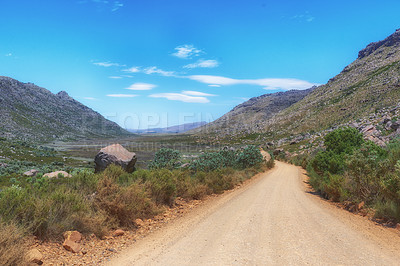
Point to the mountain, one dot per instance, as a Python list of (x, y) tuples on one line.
[(370, 84), (169, 130), (34, 113), (249, 116)]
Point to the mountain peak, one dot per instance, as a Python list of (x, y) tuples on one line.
[(392, 40)]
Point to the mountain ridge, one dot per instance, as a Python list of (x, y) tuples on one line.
[(34, 113), (368, 84)]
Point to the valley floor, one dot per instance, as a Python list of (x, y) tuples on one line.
[(274, 219)]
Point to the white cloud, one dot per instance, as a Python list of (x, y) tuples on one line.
[(197, 93), (307, 17), (186, 51), (132, 70), (112, 5), (203, 64), (214, 85), (122, 95), (141, 87), (215, 80), (106, 64), (115, 77), (155, 70), (268, 84), (116, 5), (90, 98), (180, 97)]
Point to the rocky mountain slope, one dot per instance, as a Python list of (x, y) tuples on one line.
[(251, 115), (34, 113), (366, 87)]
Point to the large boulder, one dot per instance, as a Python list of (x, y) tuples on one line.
[(56, 174), (115, 154), (31, 173)]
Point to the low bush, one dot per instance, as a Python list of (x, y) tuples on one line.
[(210, 161), (96, 203), (351, 169)]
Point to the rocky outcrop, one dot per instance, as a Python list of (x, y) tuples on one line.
[(392, 40), (115, 154), (56, 174)]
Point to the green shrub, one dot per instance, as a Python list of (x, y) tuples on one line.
[(343, 140), (250, 156), (166, 158), (209, 161)]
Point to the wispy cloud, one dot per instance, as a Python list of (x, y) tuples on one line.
[(141, 87), (116, 5), (214, 85), (115, 77), (306, 16), (155, 70), (184, 96), (90, 98), (197, 93), (107, 64), (186, 51), (122, 95), (149, 71), (268, 84), (180, 97), (203, 64), (111, 5), (132, 70), (8, 55)]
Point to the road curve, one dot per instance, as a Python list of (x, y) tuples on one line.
[(271, 221)]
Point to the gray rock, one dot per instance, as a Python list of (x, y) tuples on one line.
[(185, 165), (31, 173), (277, 151), (395, 125), (115, 154)]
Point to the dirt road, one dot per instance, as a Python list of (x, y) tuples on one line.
[(273, 220)]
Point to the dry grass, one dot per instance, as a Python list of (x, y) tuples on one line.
[(12, 246)]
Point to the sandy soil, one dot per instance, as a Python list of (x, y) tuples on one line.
[(274, 219)]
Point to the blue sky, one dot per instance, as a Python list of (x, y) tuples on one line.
[(157, 63)]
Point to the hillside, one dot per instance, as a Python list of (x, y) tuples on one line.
[(370, 83), (366, 86), (169, 130), (34, 113), (250, 116)]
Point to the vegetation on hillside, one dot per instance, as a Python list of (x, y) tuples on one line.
[(355, 170)]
